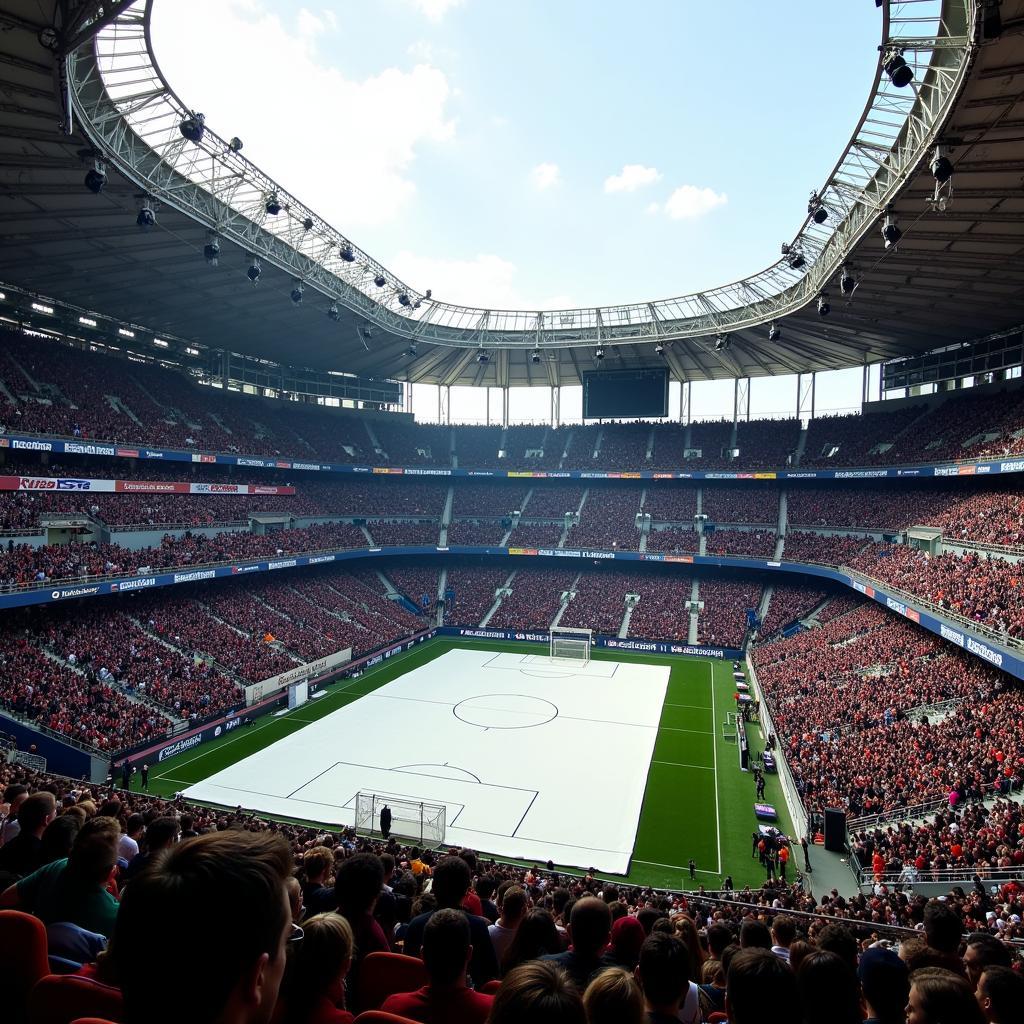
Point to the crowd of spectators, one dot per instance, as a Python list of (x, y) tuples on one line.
[(486, 498), (661, 612), (473, 589), (674, 540), (858, 439), (552, 501), (823, 549), (398, 532), (788, 604), (765, 442), (607, 520), (599, 601), (742, 503), (723, 618), (486, 533), (667, 501), (534, 599), (414, 582), (742, 543), (536, 535)]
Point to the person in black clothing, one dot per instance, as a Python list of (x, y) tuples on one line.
[(590, 929), (693, 868), (161, 834), (125, 775), (754, 840), (385, 821), (145, 777), (24, 853), (664, 977), (807, 860), (450, 885), (757, 981)]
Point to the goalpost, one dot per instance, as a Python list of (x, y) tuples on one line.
[(419, 820), (571, 644)]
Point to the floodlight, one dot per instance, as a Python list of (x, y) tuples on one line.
[(211, 251), (599, 354), (824, 306), (96, 177), (297, 290), (272, 206), (347, 253), (899, 71), (192, 128), (817, 209), (659, 349), (235, 145), (774, 332), (847, 282), (891, 232), (333, 313), (535, 356), (380, 280), (254, 270), (941, 166), (146, 217)]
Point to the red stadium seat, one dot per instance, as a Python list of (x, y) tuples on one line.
[(380, 1017), (717, 1018), (490, 988), (23, 959), (61, 999), (384, 974)]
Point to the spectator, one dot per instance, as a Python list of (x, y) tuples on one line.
[(128, 845), (74, 889), (539, 992), (1001, 995), (828, 981), (357, 887), (317, 894), (536, 937), (24, 853), (757, 980), (614, 997), (884, 985), (451, 883), (590, 925), (313, 991), (447, 997), (627, 939), (783, 933), (755, 934), (514, 906), (14, 797), (664, 980), (161, 834), (232, 885), (938, 996), (983, 950)]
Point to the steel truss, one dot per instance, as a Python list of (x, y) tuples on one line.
[(122, 102)]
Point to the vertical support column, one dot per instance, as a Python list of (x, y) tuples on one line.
[(689, 403), (504, 406), (225, 368), (741, 399), (805, 396), (684, 402), (735, 400), (440, 416), (865, 385), (444, 404), (556, 406), (799, 383), (814, 388), (487, 404)]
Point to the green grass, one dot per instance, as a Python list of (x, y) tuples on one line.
[(697, 802)]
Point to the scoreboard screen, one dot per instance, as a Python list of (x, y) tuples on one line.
[(625, 394)]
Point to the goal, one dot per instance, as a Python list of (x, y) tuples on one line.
[(418, 820), (571, 644)]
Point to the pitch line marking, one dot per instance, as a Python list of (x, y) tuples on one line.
[(679, 764), (676, 867), (696, 732), (714, 750)]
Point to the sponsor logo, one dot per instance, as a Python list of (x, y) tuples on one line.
[(899, 606), (523, 551), (180, 747), (191, 577), (425, 472), (36, 483), (598, 554), (480, 472), (984, 467), (1014, 466), (132, 453), (260, 489), (684, 559), (516, 474), (149, 486), (250, 462), (216, 732), (948, 633), (946, 471), (361, 469), (320, 559), (238, 569), (908, 472), (984, 651), (766, 476), (484, 634), (534, 637), (204, 458), (218, 488), (632, 645), (74, 448), (140, 584), (314, 466), (863, 588), (775, 565), (283, 465), (966, 470), (74, 485), (284, 563), (860, 474), (800, 476), (57, 595), (148, 453), (232, 723), (32, 446), (662, 476)]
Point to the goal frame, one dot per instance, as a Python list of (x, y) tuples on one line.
[(572, 639), (421, 821)]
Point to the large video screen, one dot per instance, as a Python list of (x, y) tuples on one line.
[(625, 394)]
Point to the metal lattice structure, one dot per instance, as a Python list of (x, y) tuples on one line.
[(120, 100)]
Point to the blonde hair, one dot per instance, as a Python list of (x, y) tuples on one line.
[(614, 997), (322, 958), (317, 859)]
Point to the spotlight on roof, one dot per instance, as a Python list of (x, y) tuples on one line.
[(941, 166), (96, 177), (774, 332), (235, 145), (307, 224), (411, 350), (347, 253), (193, 127), (297, 290), (333, 313), (847, 282), (824, 306), (254, 270), (891, 232), (535, 356), (599, 354), (272, 205), (817, 209), (899, 71), (403, 299), (380, 280), (428, 293), (794, 255), (211, 251), (722, 342), (659, 349), (147, 216), (482, 357)]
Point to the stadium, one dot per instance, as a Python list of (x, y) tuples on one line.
[(323, 699)]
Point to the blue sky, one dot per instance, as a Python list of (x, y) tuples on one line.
[(534, 155)]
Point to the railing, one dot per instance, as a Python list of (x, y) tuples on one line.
[(909, 877)]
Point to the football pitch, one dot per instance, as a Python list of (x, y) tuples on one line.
[(621, 764)]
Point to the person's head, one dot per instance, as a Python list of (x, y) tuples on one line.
[(513, 906), (718, 937), (59, 837), (613, 997), (838, 939), (319, 963), (162, 832), (446, 947), (94, 852), (798, 950), (236, 955), (1000, 994), (37, 812), (884, 984), (14, 797), (754, 934), (317, 863), (135, 825), (942, 927), (983, 950), (357, 884), (536, 936), (938, 996), (627, 938), (451, 882), (538, 992), (826, 980), (647, 916), (663, 971), (783, 931), (295, 898), (758, 979), (590, 926)]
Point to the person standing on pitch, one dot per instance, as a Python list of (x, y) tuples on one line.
[(385, 821), (145, 777), (693, 868)]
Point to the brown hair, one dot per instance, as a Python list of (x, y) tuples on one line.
[(614, 997), (946, 998), (94, 852), (537, 992)]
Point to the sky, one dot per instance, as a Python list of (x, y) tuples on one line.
[(535, 155)]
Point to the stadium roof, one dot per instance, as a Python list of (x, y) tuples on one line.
[(957, 272)]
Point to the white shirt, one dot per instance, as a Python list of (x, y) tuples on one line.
[(501, 938), (127, 848)]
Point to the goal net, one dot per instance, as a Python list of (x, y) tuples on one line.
[(571, 644), (418, 820)]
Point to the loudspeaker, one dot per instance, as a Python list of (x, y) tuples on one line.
[(835, 830)]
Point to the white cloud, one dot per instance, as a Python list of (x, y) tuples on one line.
[(545, 176), (435, 10), (350, 152), (689, 202), (633, 176), (653, 208), (487, 280)]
